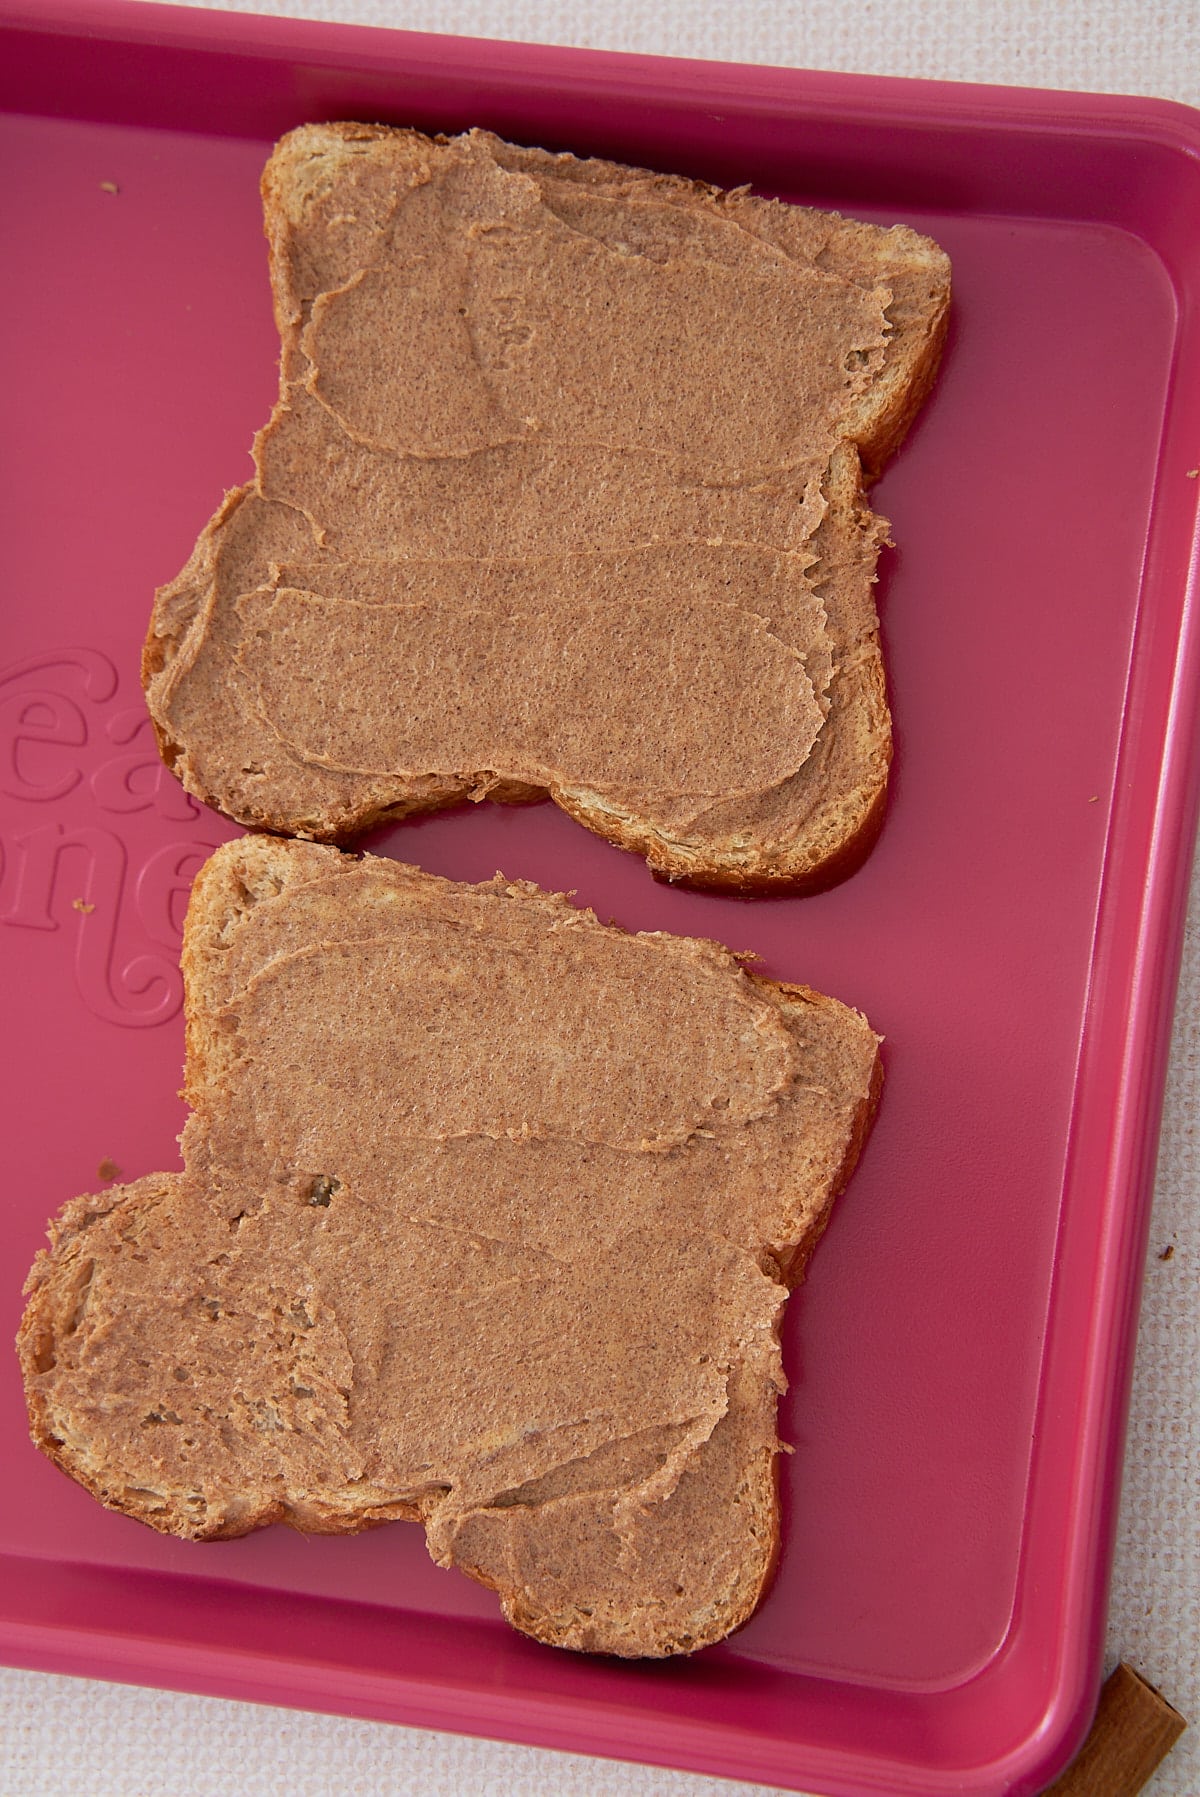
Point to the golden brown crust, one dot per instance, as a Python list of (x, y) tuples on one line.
[(302, 1326), (214, 719)]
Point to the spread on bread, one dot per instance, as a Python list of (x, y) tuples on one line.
[(488, 1217), (489, 1212), (563, 494)]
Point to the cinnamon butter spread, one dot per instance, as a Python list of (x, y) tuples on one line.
[(553, 449), (485, 1217), (537, 681)]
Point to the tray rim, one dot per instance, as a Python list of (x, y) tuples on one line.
[(1069, 1685), (891, 99)]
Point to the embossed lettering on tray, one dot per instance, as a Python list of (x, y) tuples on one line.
[(71, 738)]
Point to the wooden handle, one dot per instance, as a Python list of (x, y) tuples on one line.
[(1134, 1730)]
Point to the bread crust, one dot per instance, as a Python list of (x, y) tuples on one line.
[(802, 836), (165, 1369)]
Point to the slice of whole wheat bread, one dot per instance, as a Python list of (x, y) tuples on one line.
[(487, 1219), (563, 494)]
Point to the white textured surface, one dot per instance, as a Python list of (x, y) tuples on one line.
[(62, 1737), (1116, 46)]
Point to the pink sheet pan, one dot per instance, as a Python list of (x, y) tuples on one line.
[(960, 1356)]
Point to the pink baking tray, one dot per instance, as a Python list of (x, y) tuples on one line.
[(960, 1357)]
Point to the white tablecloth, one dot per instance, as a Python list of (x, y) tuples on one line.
[(62, 1737)]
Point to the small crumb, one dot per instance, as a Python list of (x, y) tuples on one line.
[(1167, 1253), (109, 187), (81, 905), (1095, 799), (1194, 473), (108, 1169)]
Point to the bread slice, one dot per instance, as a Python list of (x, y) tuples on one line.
[(487, 1219), (563, 494)]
